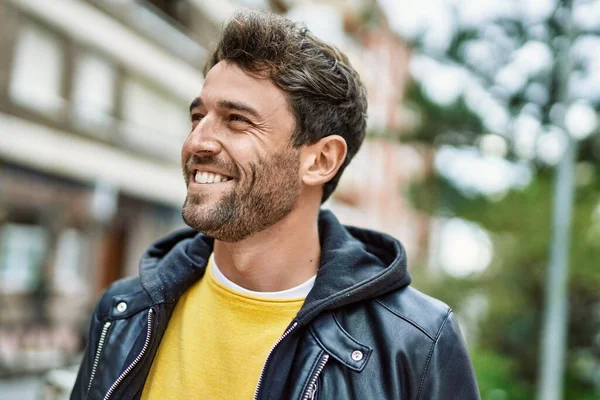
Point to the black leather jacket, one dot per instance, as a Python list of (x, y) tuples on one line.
[(362, 333)]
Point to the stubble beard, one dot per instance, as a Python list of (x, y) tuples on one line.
[(269, 193)]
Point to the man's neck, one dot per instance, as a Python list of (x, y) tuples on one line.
[(281, 257)]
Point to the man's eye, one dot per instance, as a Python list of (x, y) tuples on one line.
[(235, 117), (196, 117)]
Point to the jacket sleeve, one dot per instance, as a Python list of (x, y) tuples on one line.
[(85, 369), (448, 373)]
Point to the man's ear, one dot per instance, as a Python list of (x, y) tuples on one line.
[(322, 160)]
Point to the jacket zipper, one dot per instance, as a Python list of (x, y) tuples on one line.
[(262, 372), (97, 356), (312, 385), (135, 362)]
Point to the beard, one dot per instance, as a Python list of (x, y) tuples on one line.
[(268, 194)]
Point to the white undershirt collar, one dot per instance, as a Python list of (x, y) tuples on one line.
[(298, 292)]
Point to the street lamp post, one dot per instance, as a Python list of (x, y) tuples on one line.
[(554, 333)]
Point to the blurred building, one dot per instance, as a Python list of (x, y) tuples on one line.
[(93, 110)]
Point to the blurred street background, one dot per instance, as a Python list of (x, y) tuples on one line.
[(482, 157)]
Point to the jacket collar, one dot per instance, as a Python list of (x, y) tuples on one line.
[(356, 265), (174, 263)]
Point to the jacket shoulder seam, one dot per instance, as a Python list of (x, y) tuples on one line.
[(439, 333), (413, 323)]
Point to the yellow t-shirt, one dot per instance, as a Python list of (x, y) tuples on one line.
[(216, 343)]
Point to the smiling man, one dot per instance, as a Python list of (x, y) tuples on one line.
[(267, 296)]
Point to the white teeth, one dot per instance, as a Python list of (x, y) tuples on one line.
[(209, 177)]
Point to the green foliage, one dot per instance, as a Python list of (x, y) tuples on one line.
[(496, 377), (507, 349), (437, 121), (505, 354)]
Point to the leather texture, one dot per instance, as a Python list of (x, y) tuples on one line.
[(362, 333)]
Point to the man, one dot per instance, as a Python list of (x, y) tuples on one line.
[(267, 296)]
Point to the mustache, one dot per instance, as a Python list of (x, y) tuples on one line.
[(227, 168)]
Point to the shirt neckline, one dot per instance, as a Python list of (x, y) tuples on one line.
[(297, 292)]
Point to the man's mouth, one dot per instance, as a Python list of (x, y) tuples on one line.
[(210, 177)]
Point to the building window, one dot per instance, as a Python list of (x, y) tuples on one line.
[(22, 252), (36, 76), (93, 92), (69, 265), (153, 122)]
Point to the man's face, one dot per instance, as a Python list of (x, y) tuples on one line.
[(239, 167)]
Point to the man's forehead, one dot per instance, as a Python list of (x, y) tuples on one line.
[(228, 82)]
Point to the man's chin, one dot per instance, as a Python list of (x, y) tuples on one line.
[(204, 215), (194, 218), (193, 209)]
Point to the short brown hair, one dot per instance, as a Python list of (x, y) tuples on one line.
[(324, 92)]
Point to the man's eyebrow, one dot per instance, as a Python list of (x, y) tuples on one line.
[(197, 102), (239, 106), (228, 104)]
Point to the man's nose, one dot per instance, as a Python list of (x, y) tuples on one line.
[(204, 138)]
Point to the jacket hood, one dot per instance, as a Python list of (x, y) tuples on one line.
[(356, 265)]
